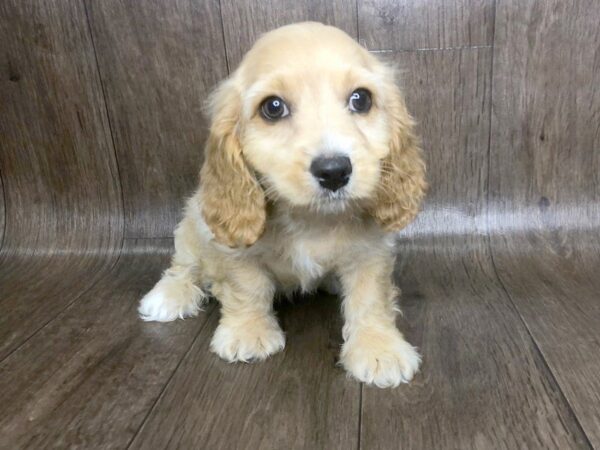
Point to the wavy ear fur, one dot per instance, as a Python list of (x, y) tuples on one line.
[(402, 185), (233, 203)]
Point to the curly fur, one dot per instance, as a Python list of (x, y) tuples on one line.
[(402, 185), (233, 202), (261, 223)]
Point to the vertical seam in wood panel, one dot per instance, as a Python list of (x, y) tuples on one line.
[(168, 381), (360, 414), (110, 128), (546, 368), (357, 27), (223, 35), (490, 109), (3, 237)]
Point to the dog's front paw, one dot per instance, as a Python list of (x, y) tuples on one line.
[(248, 340), (171, 299), (382, 358)]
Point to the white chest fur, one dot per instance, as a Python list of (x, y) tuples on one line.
[(301, 252)]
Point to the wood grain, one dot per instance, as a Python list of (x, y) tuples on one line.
[(245, 21), (296, 400), (448, 93), (410, 25), (559, 305), (546, 113), (56, 149), (544, 187), (158, 62), (482, 384), (61, 187), (35, 289), (88, 379), (2, 213)]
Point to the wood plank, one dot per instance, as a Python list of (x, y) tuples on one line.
[(546, 113), (545, 186), (297, 399), (57, 160), (482, 384), (63, 201), (2, 212), (35, 289), (409, 25), (88, 379), (158, 62), (244, 22), (558, 301), (448, 93)]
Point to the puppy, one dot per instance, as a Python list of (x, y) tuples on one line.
[(310, 166)]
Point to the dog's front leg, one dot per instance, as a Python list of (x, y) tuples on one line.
[(374, 350), (248, 330)]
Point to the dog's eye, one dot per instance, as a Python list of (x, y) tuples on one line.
[(360, 101), (274, 108)]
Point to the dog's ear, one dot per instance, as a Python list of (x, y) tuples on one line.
[(402, 185), (233, 202)]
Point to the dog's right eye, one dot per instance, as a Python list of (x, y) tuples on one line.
[(274, 108)]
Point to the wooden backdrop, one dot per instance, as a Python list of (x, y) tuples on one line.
[(101, 136)]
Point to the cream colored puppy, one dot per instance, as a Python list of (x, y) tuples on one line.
[(311, 165)]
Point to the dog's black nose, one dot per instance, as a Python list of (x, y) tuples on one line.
[(332, 172)]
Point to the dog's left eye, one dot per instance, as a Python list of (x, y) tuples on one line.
[(274, 108), (360, 101)]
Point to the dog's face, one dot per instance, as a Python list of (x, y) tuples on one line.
[(309, 119), (313, 123)]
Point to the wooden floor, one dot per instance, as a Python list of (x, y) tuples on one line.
[(101, 128)]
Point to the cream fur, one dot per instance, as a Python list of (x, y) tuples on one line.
[(244, 238)]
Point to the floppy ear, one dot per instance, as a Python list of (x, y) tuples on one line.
[(233, 203), (402, 185)]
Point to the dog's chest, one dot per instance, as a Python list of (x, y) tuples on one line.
[(303, 259)]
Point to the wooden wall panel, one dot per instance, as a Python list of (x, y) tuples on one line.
[(545, 186), (158, 62), (408, 25), (545, 140), (245, 21), (64, 219), (448, 93), (2, 213), (57, 161)]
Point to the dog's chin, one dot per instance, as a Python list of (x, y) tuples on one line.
[(328, 202)]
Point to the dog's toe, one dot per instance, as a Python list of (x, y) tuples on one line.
[(248, 342), (382, 359)]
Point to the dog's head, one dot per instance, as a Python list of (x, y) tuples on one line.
[(312, 120)]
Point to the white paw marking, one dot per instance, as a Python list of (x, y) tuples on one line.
[(248, 341), (384, 359), (171, 299)]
